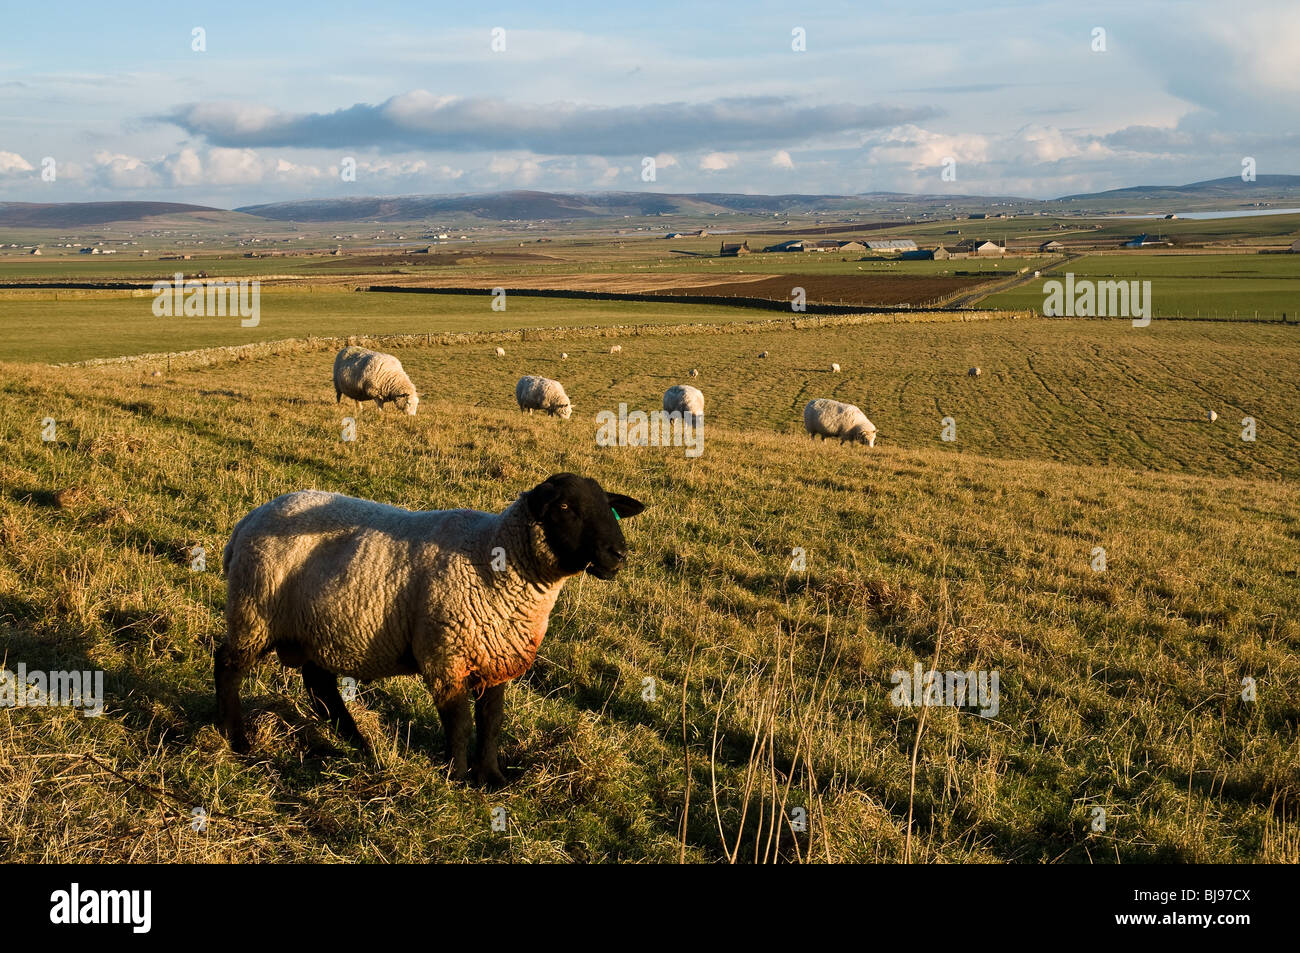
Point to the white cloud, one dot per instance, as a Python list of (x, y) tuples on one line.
[(11, 163), (235, 167), (782, 160), (184, 168), (125, 172), (916, 148), (717, 161)]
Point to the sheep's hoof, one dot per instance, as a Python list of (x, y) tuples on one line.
[(489, 777)]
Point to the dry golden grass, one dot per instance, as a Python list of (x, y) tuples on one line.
[(1119, 690)]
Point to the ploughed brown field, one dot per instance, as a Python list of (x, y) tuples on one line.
[(843, 289), (869, 290)]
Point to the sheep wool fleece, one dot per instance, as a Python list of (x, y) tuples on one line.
[(360, 588)]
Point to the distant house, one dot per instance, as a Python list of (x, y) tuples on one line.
[(988, 249), (37, 251), (87, 251), (978, 215), (1052, 246), (675, 235), (732, 249), (853, 246), (1295, 247), (702, 233), (792, 245)]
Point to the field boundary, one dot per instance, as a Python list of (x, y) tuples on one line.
[(203, 357)]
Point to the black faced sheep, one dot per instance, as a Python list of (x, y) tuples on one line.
[(342, 586)]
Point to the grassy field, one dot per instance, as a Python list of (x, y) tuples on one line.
[(66, 326), (1120, 690), (1185, 285)]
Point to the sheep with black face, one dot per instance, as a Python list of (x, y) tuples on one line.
[(342, 586)]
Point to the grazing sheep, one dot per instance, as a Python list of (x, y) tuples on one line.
[(694, 372), (974, 372), (616, 349), (1211, 416), (687, 400), (542, 393), (831, 418), (342, 586), (564, 356), (762, 353), (368, 375), (501, 352), (835, 368)]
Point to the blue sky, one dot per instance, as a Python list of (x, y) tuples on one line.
[(1015, 94)]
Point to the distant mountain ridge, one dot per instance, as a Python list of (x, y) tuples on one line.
[(525, 204), (529, 205), (1232, 187), (79, 214)]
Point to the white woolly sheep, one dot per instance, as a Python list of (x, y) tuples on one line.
[(342, 586), (974, 372), (542, 393), (694, 372), (762, 354), (501, 352), (1211, 416), (831, 418), (369, 375), (616, 349), (687, 400), (835, 368), (564, 356)]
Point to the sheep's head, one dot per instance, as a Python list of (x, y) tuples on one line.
[(565, 412), (580, 523), (864, 433), (408, 402)]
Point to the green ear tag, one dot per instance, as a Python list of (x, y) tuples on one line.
[(617, 518)]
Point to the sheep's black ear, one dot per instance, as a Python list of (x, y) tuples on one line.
[(624, 506), (539, 500)]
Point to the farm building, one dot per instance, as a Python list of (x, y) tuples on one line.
[(1052, 246), (988, 249), (891, 246), (732, 249), (1295, 247), (809, 245), (937, 253)]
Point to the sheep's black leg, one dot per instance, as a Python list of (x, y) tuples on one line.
[(456, 725), (489, 710), (228, 678), (323, 689)]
